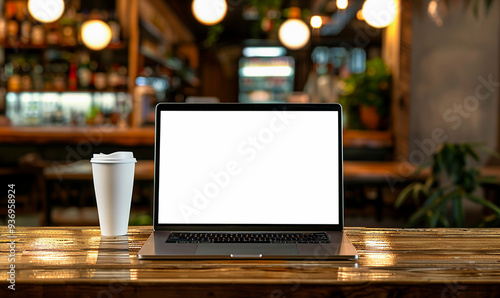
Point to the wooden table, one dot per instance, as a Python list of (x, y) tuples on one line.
[(78, 262)]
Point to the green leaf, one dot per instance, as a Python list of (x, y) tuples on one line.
[(468, 149), (458, 212), (488, 6), (422, 212), (486, 149), (404, 193), (437, 215), (428, 184), (444, 221), (475, 9), (424, 165), (484, 203)]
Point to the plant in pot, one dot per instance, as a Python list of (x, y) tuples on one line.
[(453, 178), (366, 96)]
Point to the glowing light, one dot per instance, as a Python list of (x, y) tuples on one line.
[(96, 34), (294, 34), (316, 22), (341, 4), (209, 12), (380, 13), (263, 51), (266, 71), (360, 16), (46, 11)]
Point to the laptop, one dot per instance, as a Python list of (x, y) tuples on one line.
[(248, 181)]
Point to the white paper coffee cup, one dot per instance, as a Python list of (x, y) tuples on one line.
[(113, 176)]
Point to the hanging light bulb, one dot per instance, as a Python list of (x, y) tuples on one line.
[(341, 4), (294, 33), (96, 34), (209, 12), (380, 13), (46, 11), (316, 22)]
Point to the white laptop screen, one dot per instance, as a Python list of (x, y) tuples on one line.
[(249, 167)]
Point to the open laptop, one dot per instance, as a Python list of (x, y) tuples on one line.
[(248, 181)]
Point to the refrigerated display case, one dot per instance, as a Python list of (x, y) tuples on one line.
[(266, 79)]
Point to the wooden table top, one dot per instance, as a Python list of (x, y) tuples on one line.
[(392, 262)]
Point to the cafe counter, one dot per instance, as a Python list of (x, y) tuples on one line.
[(143, 136), (74, 262)]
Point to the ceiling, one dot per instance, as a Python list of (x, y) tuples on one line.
[(344, 27)]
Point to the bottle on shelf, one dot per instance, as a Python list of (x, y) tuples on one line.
[(84, 73), (26, 82), (53, 36), (12, 24), (100, 78), (37, 33), (37, 76), (3, 25), (115, 27), (25, 26), (72, 77), (68, 28)]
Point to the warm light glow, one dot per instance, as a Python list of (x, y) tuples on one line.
[(96, 34), (341, 4), (209, 12), (46, 11), (263, 51), (294, 34), (266, 71), (380, 13), (316, 22), (360, 16)]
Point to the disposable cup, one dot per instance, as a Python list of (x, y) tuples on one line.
[(113, 176)]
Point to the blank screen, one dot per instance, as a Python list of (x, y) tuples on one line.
[(248, 167)]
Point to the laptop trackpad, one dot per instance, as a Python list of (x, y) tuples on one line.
[(246, 249)]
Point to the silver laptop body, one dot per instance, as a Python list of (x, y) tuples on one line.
[(248, 171)]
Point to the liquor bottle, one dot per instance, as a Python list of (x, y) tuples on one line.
[(3, 26), (37, 76), (25, 27), (37, 34), (80, 18), (12, 24), (26, 82), (14, 81), (114, 76), (72, 77), (100, 78), (68, 36), (84, 73), (53, 34), (115, 27)]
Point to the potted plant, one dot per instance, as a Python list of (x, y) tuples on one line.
[(452, 179), (366, 95)]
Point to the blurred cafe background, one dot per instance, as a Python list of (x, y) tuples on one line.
[(418, 81)]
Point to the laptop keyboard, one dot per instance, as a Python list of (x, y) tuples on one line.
[(183, 237)]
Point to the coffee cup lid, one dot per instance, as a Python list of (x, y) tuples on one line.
[(115, 157)]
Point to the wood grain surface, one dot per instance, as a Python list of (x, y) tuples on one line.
[(78, 262)]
